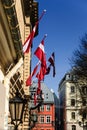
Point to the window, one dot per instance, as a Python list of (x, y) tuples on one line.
[(42, 108), (48, 119), (72, 89), (72, 102), (41, 119), (84, 90), (73, 115), (84, 102), (73, 127), (84, 115), (46, 95), (67, 76), (48, 108)]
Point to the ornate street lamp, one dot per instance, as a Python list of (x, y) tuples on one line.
[(16, 108)]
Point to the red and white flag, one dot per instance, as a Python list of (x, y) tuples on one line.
[(40, 53), (39, 87), (48, 69), (35, 99), (52, 59), (28, 43), (40, 75), (29, 79), (52, 63), (35, 69)]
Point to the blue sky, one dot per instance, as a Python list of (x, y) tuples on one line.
[(65, 22)]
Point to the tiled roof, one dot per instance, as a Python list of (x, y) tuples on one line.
[(48, 94)]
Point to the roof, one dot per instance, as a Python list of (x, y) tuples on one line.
[(48, 94)]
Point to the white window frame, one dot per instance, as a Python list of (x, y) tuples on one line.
[(48, 107), (48, 118), (72, 89), (73, 102), (42, 119), (42, 108), (73, 127), (73, 115)]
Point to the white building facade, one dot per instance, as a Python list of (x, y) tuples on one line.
[(71, 104)]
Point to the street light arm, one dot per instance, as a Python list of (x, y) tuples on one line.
[(39, 104), (14, 69)]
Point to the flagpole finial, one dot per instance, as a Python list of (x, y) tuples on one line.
[(44, 10), (45, 35)]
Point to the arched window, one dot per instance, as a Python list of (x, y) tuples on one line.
[(73, 127)]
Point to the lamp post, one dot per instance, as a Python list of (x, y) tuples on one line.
[(83, 124), (34, 117), (16, 108), (33, 120)]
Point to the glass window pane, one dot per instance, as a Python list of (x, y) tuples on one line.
[(48, 107), (73, 127), (72, 89), (42, 119), (72, 102), (12, 110), (48, 119), (19, 107), (73, 115)]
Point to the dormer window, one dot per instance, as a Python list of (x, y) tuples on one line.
[(67, 76), (42, 108), (46, 95), (47, 107)]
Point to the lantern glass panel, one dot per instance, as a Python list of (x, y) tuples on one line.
[(19, 107), (12, 110)]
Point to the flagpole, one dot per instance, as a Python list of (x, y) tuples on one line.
[(44, 37), (41, 16)]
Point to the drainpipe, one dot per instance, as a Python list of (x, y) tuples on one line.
[(6, 85)]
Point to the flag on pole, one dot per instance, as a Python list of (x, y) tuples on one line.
[(52, 59), (35, 99), (28, 43), (52, 63), (29, 79), (39, 87), (35, 69), (48, 69), (40, 53), (40, 75)]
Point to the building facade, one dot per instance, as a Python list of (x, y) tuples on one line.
[(48, 111), (71, 103), (17, 19)]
